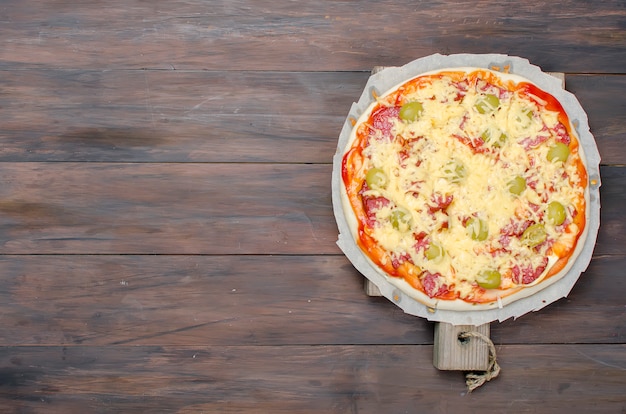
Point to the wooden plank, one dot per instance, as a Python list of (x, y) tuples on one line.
[(257, 300), (296, 36), (166, 208), (190, 208), (209, 138), (305, 379), (174, 116), (180, 96), (612, 202), (181, 116), (606, 112)]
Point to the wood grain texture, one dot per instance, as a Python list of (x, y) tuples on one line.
[(305, 379), (257, 300), (454, 352), (304, 36), (166, 208), (224, 116), (607, 115), (175, 116)]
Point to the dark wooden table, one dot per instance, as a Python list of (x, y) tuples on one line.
[(167, 242)]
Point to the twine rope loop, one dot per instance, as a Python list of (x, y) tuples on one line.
[(474, 380)]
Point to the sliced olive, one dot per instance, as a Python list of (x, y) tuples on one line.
[(534, 235), (454, 171), (489, 279), (556, 213), (486, 136), (500, 141), (376, 178), (477, 228), (491, 139), (434, 252), (517, 185), (558, 152), (411, 111), (400, 219), (526, 118), (528, 113), (487, 104)]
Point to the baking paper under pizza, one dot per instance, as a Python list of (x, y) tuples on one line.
[(467, 186)]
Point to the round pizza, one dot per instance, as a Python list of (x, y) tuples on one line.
[(466, 187)]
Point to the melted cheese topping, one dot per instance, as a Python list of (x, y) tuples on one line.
[(447, 183)]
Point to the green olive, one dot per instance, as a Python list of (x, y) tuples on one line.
[(534, 235), (528, 112), (526, 120), (558, 152), (487, 104), (400, 219), (487, 137), (376, 178), (501, 140), (489, 279), (454, 171), (529, 115), (477, 229), (411, 111), (556, 213), (434, 252), (517, 185)]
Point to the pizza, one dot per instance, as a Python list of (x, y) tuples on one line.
[(466, 187)]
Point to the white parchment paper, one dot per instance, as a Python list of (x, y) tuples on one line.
[(384, 80)]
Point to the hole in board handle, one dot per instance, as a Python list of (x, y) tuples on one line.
[(463, 338)]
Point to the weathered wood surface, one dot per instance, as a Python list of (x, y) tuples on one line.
[(167, 241), (256, 300), (305, 379), (564, 36)]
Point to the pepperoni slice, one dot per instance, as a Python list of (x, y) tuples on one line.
[(526, 274), (382, 119), (561, 133), (371, 205), (398, 259), (440, 202), (431, 286), (533, 142)]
